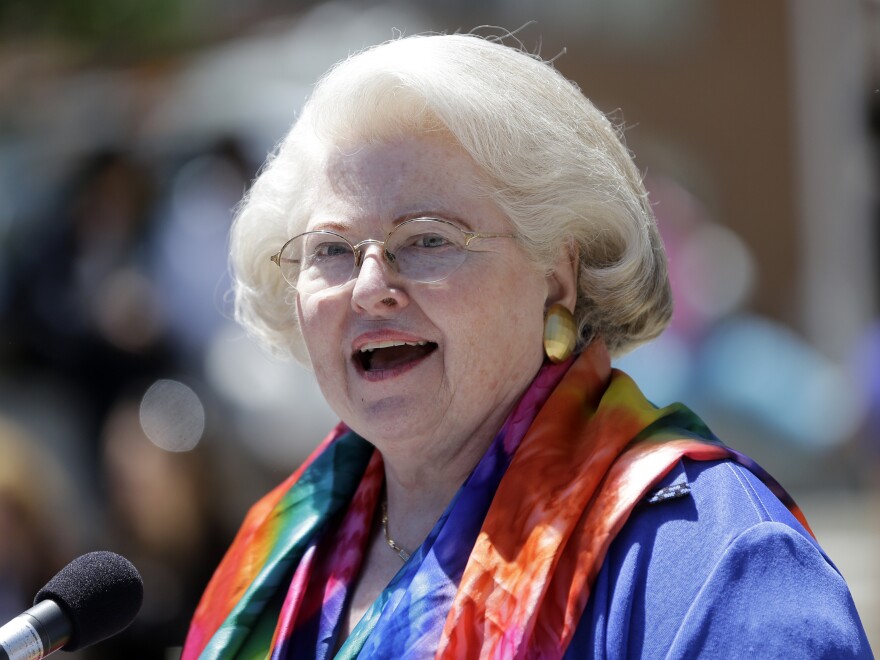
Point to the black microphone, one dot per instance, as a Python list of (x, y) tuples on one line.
[(92, 598)]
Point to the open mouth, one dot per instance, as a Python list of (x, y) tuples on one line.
[(387, 355)]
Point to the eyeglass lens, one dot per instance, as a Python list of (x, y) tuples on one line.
[(421, 250)]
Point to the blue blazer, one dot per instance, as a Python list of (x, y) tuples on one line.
[(712, 565)]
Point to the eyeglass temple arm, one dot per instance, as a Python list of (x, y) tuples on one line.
[(471, 235), (276, 259)]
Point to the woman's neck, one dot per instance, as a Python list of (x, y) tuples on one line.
[(418, 491)]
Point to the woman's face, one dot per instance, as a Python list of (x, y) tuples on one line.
[(477, 333)]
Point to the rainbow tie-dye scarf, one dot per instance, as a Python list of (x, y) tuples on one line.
[(507, 570)]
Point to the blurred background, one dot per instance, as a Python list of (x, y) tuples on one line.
[(135, 416)]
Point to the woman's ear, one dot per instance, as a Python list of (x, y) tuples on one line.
[(562, 280)]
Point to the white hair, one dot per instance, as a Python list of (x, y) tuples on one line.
[(552, 162)]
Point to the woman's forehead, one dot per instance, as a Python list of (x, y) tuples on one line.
[(430, 162), (388, 182)]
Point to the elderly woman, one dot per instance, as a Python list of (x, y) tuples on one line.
[(456, 240)]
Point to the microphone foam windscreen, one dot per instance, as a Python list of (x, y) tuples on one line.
[(101, 592)]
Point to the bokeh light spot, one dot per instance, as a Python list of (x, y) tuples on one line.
[(172, 416)]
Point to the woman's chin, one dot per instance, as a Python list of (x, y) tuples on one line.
[(394, 423)]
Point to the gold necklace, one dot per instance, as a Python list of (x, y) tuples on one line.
[(403, 554)]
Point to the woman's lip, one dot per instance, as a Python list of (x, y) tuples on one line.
[(372, 339), (376, 375)]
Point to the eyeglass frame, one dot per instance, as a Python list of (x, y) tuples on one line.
[(388, 256)]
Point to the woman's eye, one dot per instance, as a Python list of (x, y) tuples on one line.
[(325, 250), (431, 241)]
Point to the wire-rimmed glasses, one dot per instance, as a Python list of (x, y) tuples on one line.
[(420, 249)]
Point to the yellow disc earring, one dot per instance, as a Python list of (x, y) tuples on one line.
[(560, 335)]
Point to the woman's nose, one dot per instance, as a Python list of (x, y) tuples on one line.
[(378, 289)]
